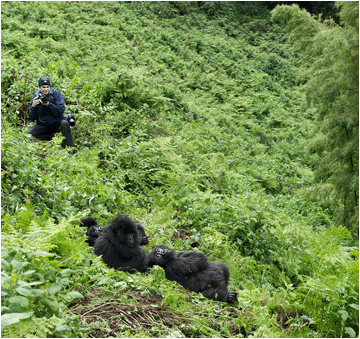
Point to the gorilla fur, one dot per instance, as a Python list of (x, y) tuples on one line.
[(195, 272), (94, 230), (119, 245), (143, 238)]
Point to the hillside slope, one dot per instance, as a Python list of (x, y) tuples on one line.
[(189, 120)]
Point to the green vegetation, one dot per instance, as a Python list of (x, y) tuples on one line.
[(332, 53), (190, 116)]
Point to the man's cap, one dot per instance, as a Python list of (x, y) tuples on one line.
[(44, 81)]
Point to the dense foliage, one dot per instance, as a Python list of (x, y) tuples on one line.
[(189, 117), (332, 53)]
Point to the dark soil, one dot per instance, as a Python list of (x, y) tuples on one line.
[(110, 316), (113, 317), (184, 234)]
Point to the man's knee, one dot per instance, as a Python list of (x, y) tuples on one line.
[(64, 125), (31, 131), (64, 128), (40, 132)]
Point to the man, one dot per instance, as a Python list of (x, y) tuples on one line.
[(47, 106)]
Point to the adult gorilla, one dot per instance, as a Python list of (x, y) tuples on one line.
[(119, 245), (195, 272)]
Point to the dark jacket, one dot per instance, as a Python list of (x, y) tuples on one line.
[(47, 115)]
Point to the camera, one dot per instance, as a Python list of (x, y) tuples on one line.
[(71, 120), (43, 98)]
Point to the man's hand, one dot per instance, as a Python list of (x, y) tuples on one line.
[(36, 102)]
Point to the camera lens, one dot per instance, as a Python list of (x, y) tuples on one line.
[(71, 120)]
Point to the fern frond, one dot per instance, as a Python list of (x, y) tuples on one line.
[(33, 328), (23, 219)]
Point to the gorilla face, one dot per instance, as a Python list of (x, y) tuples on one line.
[(97, 229), (130, 240), (159, 252), (160, 255)]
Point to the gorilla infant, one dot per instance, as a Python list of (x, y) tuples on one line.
[(119, 245), (94, 231), (195, 272)]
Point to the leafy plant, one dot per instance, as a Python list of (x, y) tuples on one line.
[(28, 296)]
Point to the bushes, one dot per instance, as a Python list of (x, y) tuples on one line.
[(33, 296), (327, 298)]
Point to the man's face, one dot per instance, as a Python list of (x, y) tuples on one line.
[(44, 89)]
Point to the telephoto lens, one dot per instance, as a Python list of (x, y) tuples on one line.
[(42, 98), (71, 120)]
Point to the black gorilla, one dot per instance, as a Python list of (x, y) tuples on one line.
[(119, 245), (94, 230), (195, 272)]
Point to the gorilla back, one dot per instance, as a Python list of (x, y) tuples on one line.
[(119, 245), (193, 271)]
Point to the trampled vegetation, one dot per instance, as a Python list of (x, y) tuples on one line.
[(191, 119)]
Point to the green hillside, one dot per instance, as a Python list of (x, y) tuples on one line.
[(191, 119)]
